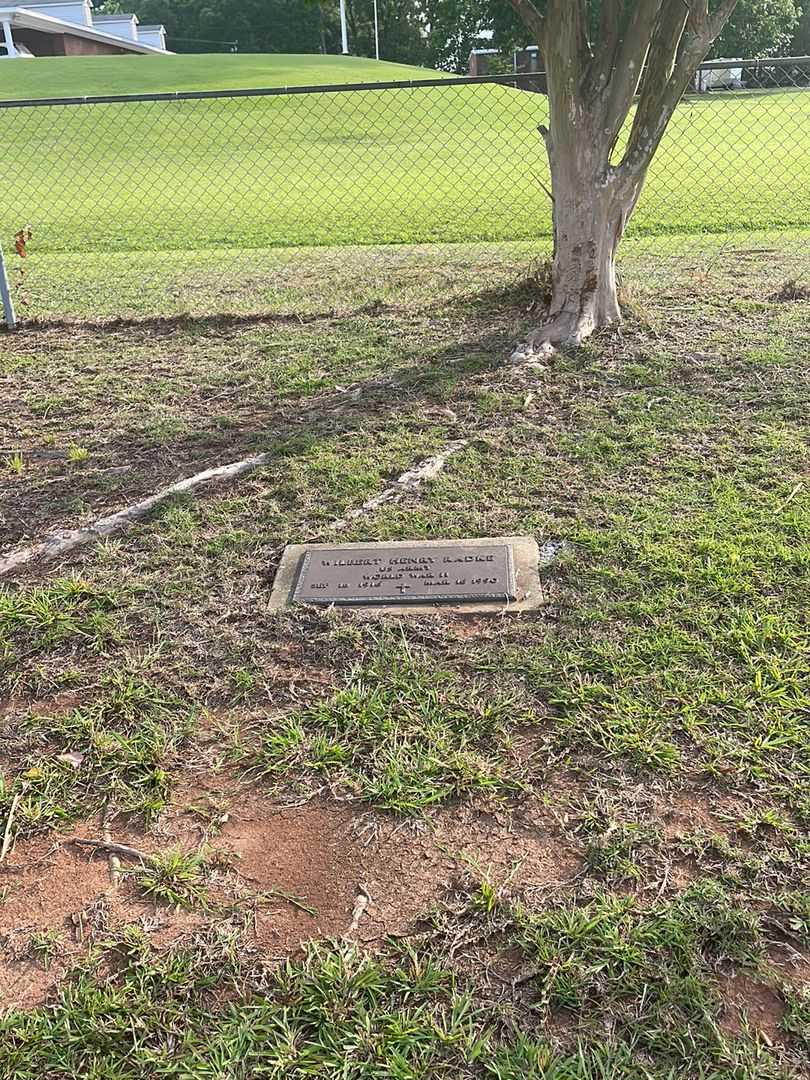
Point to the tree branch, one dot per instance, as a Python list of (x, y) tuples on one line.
[(570, 21), (567, 53), (719, 18), (664, 48), (613, 36), (610, 32), (631, 52), (532, 19), (686, 31)]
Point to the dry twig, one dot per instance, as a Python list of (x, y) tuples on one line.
[(111, 848), (15, 802), (360, 905)]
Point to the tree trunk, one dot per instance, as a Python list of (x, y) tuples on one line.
[(588, 224), (592, 199), (591, 210)]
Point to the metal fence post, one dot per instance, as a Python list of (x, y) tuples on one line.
[(5, 294)]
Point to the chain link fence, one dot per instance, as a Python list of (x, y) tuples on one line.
[(256, 200)]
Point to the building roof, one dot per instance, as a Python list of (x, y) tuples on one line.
[(47, 24)]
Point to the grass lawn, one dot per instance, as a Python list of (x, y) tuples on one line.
[(450, 164), (568, 845), (86, 76), (291, 281)]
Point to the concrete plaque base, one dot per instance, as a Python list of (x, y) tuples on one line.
[(412, 576)]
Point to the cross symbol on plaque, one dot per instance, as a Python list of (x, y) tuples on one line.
[(402, 588)]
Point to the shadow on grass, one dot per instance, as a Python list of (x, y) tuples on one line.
[(132, 465), (184, 321)]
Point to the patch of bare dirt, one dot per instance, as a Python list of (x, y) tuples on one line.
[(755, 1002), (681, 813), (51, 887), (62, 702), (324, 853), (300, 869), (686, 812), (530, 848), (311, 853), (561, 1026), (791, 966), (26, 983), (45, 880)]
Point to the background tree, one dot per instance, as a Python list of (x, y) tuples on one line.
[(402, 37), (800, 45), (277, 26), (453, 28), (596, 62), (456, 27), (401, 28), (759, 28)]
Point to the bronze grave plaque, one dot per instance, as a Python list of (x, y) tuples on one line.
[(423, 574)]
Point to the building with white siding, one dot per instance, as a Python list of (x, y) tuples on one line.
[(70, 28)]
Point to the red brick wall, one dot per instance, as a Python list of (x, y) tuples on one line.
[(62, 44), (78, 46), (39, 44)]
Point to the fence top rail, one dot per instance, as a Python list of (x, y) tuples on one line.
[(272, 91), (342, 88)]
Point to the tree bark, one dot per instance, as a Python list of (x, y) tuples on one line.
[(591, 208), (588, 226)]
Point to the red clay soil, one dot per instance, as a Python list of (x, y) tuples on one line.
[(321, 853), (750, 1000), (325, 853), (51, 885), (687, 811)]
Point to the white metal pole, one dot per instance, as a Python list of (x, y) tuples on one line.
[(5, 295), (9, 40), (376, 31), (344, 29)]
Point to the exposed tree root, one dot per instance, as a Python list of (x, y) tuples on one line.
[(411, 480), (15, 802), (360, 905), (63, 543), (112, 858), (565, 329), (60, 544)]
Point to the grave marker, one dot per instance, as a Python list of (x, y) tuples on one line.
[(427, 575)]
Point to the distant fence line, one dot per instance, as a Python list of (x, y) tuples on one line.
[(209, 198)]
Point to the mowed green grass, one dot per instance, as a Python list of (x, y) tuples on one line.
[(411, 165), (59, 76), (622, 893)]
